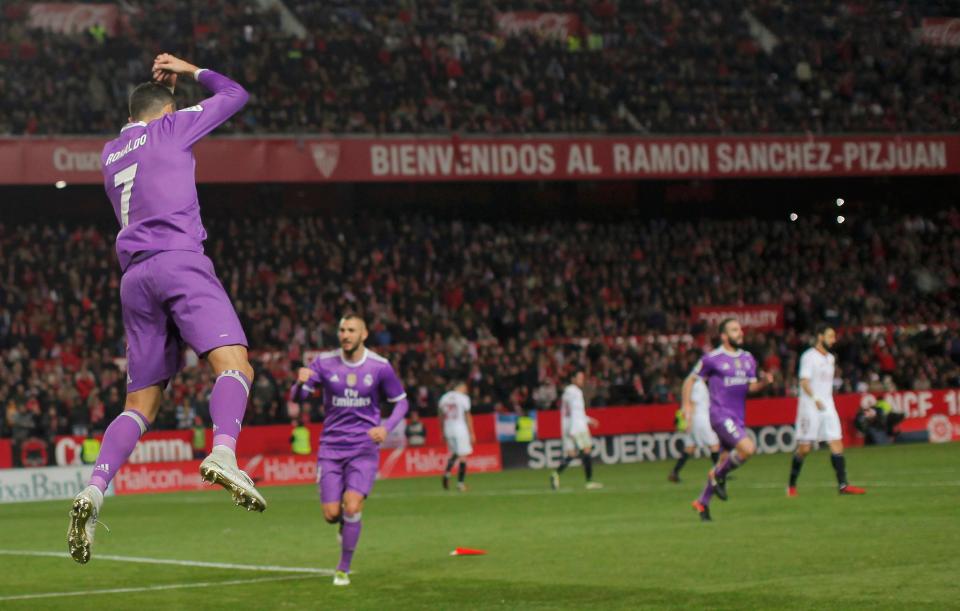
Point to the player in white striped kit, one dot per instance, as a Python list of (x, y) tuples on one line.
[(458, 431), (695, 399), (817, 418), (575, 427)]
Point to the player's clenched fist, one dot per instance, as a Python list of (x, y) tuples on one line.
[(173, 64), (304, 374), (166, 78), (378, 434)]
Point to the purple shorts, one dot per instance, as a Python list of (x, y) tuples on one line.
[(171, 299), (729, 430), (356, 472)]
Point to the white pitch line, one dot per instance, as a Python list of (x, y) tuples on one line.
[(209, 565), (545, 491), (172, 586)]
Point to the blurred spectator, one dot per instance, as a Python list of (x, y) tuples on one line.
[(416, 433), (877, 420), (23, 426)]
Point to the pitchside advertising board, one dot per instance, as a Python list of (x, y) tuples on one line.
[(634, 448), (43, 484), (163, 460), (291, 470)]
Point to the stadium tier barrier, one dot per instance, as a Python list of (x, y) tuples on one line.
[(163, 460), (536, 157)]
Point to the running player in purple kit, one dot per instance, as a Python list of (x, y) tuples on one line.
[(169, 293), (730, 374), (354, 381)]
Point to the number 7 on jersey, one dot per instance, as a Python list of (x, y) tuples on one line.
[(125, 177)]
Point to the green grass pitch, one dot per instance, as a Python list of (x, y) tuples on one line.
[(636, 544)]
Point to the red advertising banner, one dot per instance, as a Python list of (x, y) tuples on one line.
[(6, 454), (185, 475), (289, 469), (547, 25), (174, 446), (756, 317), (73, 18), (419, 462), (159, 477), (242, 160), (155, 446), (940, 31)]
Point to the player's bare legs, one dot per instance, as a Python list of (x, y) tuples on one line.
[(228, 402), (119, 440), (460, 462), (744, 449), (716, 479), (799, 455), (688, 452), (348, 514), (837, 460), (687, 455), (586, 458)]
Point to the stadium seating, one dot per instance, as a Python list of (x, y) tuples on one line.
[(511, 307), (681, 66)]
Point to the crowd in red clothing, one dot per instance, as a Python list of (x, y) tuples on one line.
[(639, 66), (509, 307)]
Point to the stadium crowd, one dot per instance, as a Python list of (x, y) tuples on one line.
[(656, 66), (510, 307)]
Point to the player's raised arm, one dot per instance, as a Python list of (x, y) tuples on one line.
[(764, 379), (308, 378), (192, 124)]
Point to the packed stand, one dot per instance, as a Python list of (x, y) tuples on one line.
[(670, 66), (509, 307)]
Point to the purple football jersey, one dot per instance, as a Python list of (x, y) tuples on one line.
[(351, 397), (149, 173), (728, 377)]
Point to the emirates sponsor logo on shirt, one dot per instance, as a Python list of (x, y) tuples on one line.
[(351, 401), (326, 156)]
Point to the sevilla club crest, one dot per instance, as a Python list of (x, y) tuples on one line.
[(326, 156)]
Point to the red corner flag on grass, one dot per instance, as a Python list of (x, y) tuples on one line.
[(466, 551)]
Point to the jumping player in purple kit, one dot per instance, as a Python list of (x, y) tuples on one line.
[(169, 293), (730, 374), (354, 381)]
